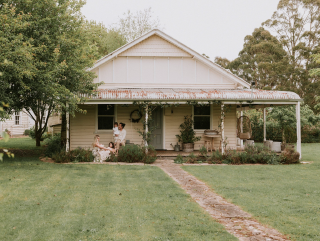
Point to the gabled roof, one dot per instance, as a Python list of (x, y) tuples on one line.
[(193, 53)]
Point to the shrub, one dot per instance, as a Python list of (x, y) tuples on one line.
[(112, 158), (192, 158), (46, 135), (253, 154), (53, 145), (289, 156), (81, 155), (26, 132), (151, 157), (135, 153), (24, 152), (32, 133), (310, 134), (77, 155), (216, 157), (203, 151), (187, 133), (61, 157), (179, 159)]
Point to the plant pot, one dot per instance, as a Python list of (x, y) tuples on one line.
[(238, 142), (268, 144), (276, 146), (249, 143), (188, 147)]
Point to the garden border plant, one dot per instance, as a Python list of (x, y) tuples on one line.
[(77, 155), (253, 154), (134, 154)]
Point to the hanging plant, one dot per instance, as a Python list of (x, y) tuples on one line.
[(135, 116)]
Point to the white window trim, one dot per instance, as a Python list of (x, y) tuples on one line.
[(19, 114), (201, 131), (96, 124)]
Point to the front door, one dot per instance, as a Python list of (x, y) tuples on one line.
[(157, 127)]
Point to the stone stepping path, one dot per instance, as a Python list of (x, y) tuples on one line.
[(236, 221)]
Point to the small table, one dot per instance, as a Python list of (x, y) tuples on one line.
[(213, 136)]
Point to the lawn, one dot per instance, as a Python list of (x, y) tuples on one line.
[(19, 143), (287, 197), (42, 201)]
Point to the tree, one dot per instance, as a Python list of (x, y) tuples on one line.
[(223, 62), (4, 135), (16, 53), (296, 24), (62, 54), (262, 60), (316, 72), (134, 25), (106, 40)]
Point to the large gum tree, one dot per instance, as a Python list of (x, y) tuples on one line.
[(296, 24)]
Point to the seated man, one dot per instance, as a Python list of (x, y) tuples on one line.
[(122, 136)]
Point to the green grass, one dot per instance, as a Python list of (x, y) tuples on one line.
[(25, 143), (42, 201), (287, 197)]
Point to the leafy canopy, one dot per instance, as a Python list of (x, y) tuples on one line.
[(57, 56)]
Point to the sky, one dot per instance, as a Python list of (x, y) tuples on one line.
[(212, 27)]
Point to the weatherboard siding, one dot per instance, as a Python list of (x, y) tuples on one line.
[(156, 63), (173, 121), (155, 46), (83, 126), (159, 72), (10, 125)]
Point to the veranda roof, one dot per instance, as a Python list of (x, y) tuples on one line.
[(158, 94)]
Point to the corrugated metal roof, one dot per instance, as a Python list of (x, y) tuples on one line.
[(192, 94)]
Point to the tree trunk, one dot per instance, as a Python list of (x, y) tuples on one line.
[(63, 130), (38, 137), (283, 136)]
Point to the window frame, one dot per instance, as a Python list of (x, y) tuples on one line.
[(19, 118), (97, 131), (43, 120), (211, 119)]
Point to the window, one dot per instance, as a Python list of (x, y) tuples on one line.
[(17, 118), (106, 117), (201, 117), (43, 120)]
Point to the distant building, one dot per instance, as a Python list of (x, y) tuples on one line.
[(17, 124)]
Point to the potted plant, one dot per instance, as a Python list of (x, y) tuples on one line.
[(187, 135)]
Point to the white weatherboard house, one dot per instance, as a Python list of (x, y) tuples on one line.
[(158, 68), (18, 122)]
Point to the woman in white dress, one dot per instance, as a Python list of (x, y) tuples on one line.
[(99, 152)]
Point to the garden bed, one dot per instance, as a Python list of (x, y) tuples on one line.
[(257, 154)]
